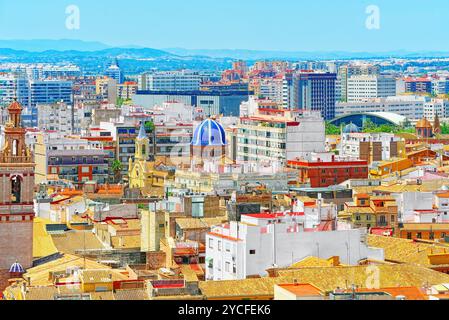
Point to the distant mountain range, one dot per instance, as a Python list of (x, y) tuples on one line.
[(39, 45), (69, 48), (300, 55)]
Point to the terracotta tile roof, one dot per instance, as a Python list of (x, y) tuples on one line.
[(131, 294), (39, 276), (101, 276), (325, 278), (193, 223), (311, 262), (73, 240), (106, 296), (41, 293), (406, 251)]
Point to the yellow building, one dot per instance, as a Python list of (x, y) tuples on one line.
[(371, 212), (388, 167), (144, 174)]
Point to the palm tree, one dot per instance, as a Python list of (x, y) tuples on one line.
[(117, 168)]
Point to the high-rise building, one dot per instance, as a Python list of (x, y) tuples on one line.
[(411, 107), (171, 81), (13, 86), (418, 85), (315, 92), (211, 103), (107, 89), (347, 71), (366, 87), (115, 72), (30, 93), (280, 136), (16, 194), (440, 86), (50, 91)]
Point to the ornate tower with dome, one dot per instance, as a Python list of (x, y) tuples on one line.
[(208, 143), (16, 194), (424, 128)]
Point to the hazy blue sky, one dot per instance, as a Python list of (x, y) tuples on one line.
[(307, 25)]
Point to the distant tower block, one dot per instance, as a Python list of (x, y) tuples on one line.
[(16, 194)]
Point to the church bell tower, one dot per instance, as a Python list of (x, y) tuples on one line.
[(16, 194)]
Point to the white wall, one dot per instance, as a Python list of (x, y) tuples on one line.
[(284, 249)]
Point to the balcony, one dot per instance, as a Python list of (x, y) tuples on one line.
[(25, 159)]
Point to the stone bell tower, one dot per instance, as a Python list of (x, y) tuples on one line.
[(16, 194)]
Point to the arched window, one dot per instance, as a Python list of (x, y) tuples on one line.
[(15, 148), (16, 189)]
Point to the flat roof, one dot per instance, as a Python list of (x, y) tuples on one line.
[(301, 289)]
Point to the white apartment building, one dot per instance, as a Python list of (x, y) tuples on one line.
[(365, 87), (173, 111), (350, 143), (435, 107), (440, 86), (60, 117), (184, 80), (278, 138), (261, 241), (272, 89), (423, 207), (411, 107)]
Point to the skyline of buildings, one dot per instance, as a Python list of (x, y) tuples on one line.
[(131, 173)]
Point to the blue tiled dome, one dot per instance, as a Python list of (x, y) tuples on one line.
[(209, 133), (16, 268), (351, 128)]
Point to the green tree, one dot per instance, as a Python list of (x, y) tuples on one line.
[(117, 168), (149, 126), (332, 129), (120, 102), (444, 128)]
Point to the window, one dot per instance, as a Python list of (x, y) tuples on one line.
[(392, 218), (419, 235), (228, 247), (219, 245), (211, 243), (409, 235), (227, 266), (252, 252), (432, 236), (358, 218)]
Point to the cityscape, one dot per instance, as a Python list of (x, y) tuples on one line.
[(201, 170)]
